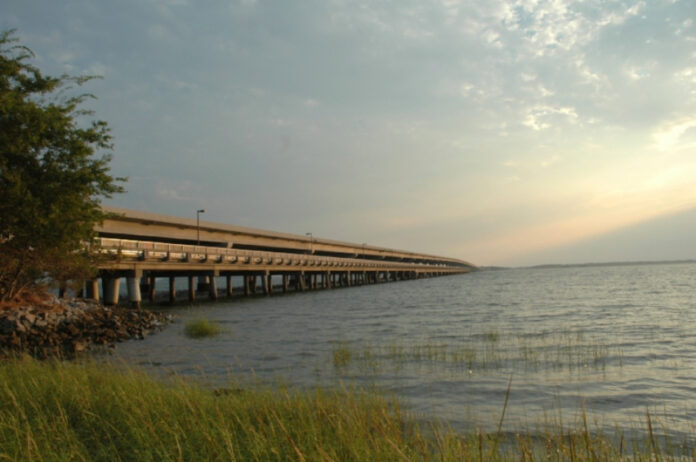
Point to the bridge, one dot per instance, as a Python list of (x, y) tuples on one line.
[(142, 246)]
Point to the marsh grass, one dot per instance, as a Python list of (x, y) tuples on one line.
[(490, 351), (82, 411), (342, 355), (201, 328)]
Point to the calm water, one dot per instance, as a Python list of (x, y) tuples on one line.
[(618, 340)]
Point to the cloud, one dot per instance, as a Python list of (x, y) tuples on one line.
[(540, 117), (180, 191), (552, 26), (669, 134), (550, 161), (637, 73)]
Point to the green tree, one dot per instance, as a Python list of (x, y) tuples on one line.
[(54, 170)]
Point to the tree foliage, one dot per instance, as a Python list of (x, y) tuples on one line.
[(54, 170)]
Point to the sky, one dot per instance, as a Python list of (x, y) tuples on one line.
[(499, 132)]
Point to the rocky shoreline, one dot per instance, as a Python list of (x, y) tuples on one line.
[(66, 327)]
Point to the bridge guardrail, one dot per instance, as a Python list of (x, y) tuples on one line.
[(145, 250)]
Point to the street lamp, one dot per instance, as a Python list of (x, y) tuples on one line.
[(198, 225), (311, 243)]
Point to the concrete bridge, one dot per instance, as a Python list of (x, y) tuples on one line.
[(142, 247)]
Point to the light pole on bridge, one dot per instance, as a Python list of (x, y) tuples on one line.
[(198, 225), (311, 243)]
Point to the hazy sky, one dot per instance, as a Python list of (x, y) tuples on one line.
[(500, 132)]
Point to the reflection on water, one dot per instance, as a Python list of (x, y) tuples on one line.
[(617, 340)]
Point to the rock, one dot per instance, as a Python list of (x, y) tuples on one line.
[(69, 327), (30, 318)]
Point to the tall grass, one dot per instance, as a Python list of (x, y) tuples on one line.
[(488, 352), (80, 411)]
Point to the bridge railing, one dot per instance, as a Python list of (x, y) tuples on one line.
[(149, 250)]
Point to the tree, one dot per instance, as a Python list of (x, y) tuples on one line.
[(54, 171)]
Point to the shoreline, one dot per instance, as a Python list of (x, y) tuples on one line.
[(46, 326)]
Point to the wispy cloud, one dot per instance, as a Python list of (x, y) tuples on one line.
[(669, 135)]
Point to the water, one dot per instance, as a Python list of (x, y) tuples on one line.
[(617, 341)]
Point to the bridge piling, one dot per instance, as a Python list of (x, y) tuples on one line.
[(191, 288), (152, 287), (134, 296), (172, 290), (110, 286), (228, 280), (92, 289), (266, 283), (212, 287)]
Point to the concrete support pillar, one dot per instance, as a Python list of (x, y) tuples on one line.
[(212, 287), (303, 281), (286, 282), (92, 289), (172, 289), (152, 288), (191, 288), (110, 286), (266, 282), (247, 285), (254, 280), (327, 280), (203, 283), (134, 296), (229, 285)]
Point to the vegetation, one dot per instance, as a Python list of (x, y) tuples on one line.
[(201, 328), (341, 355), (485, 353), (80, 411), (51, 181)]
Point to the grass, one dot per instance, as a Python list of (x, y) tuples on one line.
[(86, 412), (201, 328), (342, 355), (488, 352)]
